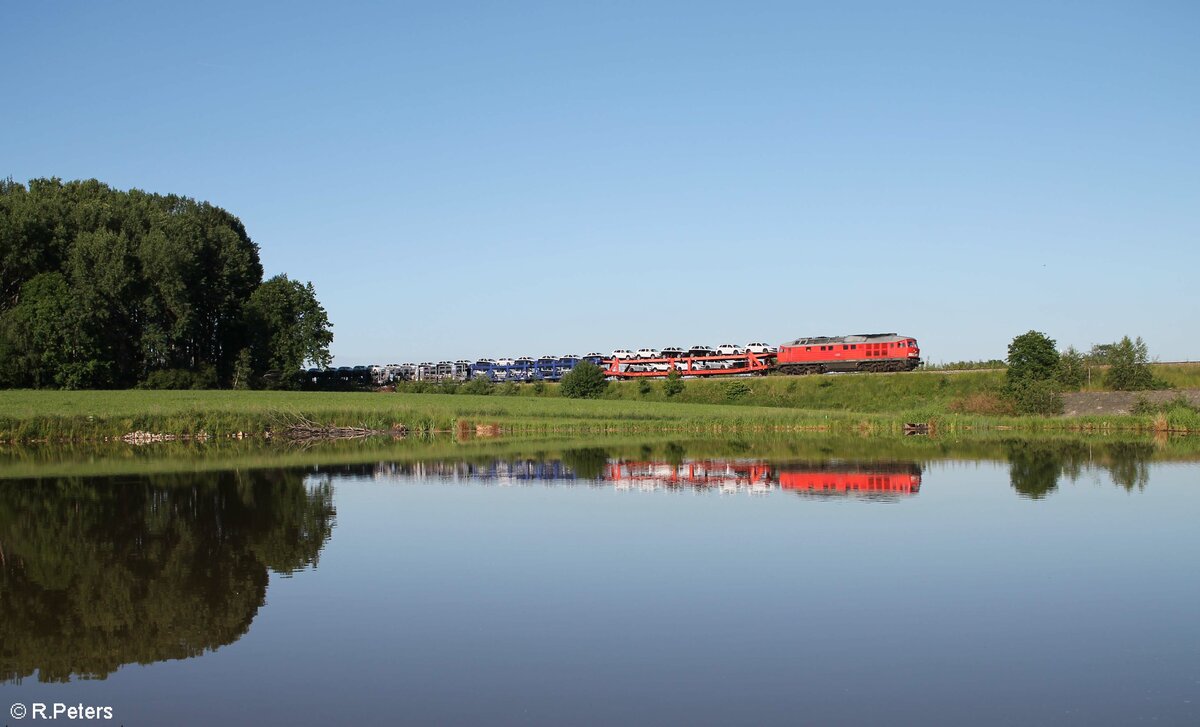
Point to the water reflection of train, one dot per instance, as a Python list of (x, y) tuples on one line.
[(719, 475), (727, 476), (880, 478)]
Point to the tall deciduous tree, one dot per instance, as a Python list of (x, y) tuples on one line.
[(1032, 357), (288, 328), (1030, 379), (44, 342)]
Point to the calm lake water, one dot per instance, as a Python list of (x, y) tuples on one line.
[(672, 582)]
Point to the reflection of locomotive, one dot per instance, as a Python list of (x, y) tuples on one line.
[(899, 478)]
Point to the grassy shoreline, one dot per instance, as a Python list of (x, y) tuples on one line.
[(66, 416)]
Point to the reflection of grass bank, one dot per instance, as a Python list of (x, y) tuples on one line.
[(94, 415), (115, 458)]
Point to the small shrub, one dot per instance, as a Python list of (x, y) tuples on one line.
[(1035, 397), (644, 386), (984, 403), (1072, 369), (509, 389), (242, 371), (448, 387), (674, 383), (480, 385), (735, 390), (1177, 415), (203, 378), (1179, 403), (414, 387), (539, 387), (584, 381), (994, 363), (1161, 422)]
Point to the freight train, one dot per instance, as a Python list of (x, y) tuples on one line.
[(868, 352)]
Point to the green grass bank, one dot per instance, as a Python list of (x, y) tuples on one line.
[(880, 403), (874, 393)]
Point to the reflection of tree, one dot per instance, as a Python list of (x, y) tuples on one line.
[(100, 573), (674, 454), (1034, 468), (589, 463), (1129, 463), (1037, 466)]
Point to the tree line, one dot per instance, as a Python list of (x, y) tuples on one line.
[(1038, 373), (103, 288)]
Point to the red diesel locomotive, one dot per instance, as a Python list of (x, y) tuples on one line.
[(865, 352)]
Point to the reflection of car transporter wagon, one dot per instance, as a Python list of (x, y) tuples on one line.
[(872, 479)]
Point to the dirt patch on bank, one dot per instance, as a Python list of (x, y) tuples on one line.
[(1085, 403)]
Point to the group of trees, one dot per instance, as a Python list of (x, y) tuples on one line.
[(1125, 364), (1038, 374), (102, 288)]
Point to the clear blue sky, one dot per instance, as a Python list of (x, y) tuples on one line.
[(468, 179)]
